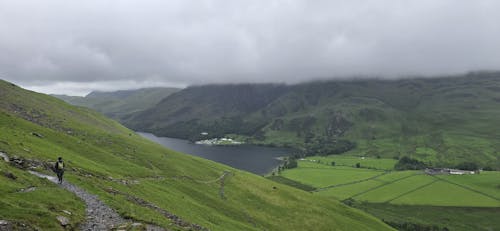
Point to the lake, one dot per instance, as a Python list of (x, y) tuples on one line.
[(257, 159)]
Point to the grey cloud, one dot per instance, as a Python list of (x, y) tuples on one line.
[(184, 42)]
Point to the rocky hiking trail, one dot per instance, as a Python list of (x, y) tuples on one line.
[(99, 215)]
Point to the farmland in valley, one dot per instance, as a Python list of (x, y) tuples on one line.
[(374, 186)]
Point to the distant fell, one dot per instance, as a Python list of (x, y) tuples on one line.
[(218, 109), (119, 104)]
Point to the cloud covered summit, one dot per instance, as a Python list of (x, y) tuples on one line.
[(75, 47)]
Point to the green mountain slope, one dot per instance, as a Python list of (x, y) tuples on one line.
[(442, 121), (119, 104), (218, 109), (129, 173)]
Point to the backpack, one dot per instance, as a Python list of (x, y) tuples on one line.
[(59, 165)]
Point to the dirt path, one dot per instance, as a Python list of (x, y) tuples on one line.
[(99, 215)]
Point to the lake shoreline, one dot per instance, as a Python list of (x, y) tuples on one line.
[(261, 160)]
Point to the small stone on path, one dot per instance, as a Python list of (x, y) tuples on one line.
[(67, 212), (37, 134)]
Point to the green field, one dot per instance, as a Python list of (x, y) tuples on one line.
[(489, 182), (396, 187), (325, 176), (348, 191), (452, 218), (441, 193), (400, 192), (350, 161), (389, 191)]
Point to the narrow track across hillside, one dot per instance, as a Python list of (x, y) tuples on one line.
[(99, 215)]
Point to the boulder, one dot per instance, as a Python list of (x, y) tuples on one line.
[(64, 221), (5, 225), (37, 134), (10, 175), (22, 163), (4, 156)]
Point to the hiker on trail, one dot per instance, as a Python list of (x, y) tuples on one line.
[(59, 169)]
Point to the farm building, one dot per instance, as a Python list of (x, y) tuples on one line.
[(448, 171)]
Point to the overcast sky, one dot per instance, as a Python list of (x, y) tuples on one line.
[(74, 47)]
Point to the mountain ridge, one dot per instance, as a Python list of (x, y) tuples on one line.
[(438, 120)]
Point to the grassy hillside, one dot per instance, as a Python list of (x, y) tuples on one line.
[(442, 121), (128, 172), (119, 104), (36, 209)]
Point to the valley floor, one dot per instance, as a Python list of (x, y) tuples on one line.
[(402, 196)]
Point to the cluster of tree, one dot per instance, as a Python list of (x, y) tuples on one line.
[(489, 168), (470, 166), (407, 163), (349, 201), (290, 163), (326, 146)]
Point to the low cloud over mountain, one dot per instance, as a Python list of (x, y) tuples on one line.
[(74, 47)]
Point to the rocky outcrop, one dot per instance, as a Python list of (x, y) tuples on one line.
[(25, 164), (5, 225)]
